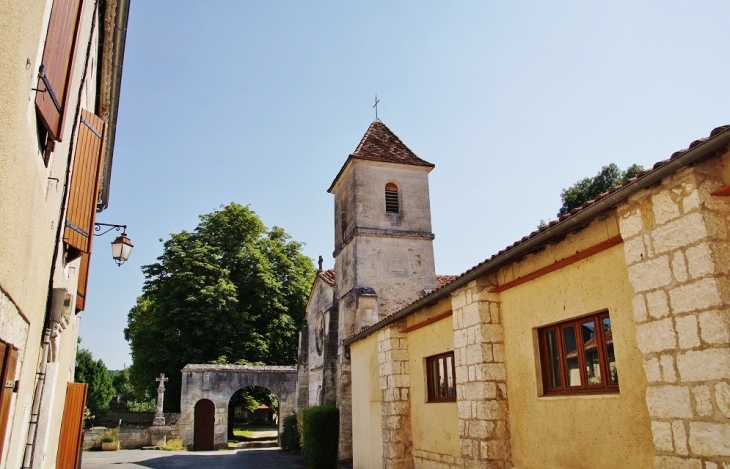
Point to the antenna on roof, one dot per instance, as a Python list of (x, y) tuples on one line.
[(376, 106)]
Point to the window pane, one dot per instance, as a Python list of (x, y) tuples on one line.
[(571, 355), (442, 378), (450, 376), (553, 359), (590, 351), (608, 338), (434, 378)]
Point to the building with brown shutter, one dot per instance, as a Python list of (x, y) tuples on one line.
[(60, 70)]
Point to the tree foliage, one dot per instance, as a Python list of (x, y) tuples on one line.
[(96, 376), (230, 288), (589, 188), (126, 399)]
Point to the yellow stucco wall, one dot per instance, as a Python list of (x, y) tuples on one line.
[(367, 437), (604, 431), (434, 425)]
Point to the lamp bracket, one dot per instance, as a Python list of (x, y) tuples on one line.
[(98, 227)]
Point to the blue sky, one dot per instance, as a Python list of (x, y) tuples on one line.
[(261, 102)]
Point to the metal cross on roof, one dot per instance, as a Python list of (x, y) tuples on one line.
[(376, 106)]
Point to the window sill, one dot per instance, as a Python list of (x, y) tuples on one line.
[(582, 395)]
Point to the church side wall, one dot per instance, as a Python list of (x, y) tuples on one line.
[(367, 435), (600, 431)]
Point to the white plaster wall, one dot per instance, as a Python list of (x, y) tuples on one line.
[(30, 213)]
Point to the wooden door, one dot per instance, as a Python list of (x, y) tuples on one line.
[(72, 427), (204, 425), (8, 362)]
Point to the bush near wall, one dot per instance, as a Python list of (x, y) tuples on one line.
[(289, 439), (321, 436)]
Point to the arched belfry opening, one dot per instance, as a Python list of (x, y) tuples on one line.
[(208, 390), (392, 203)]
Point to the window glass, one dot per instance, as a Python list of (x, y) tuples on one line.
[(450, 376), (571, 354), (590, 351), (610, 357), (553, 360)]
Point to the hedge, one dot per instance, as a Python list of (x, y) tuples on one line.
[(321, 436), (289, 439)]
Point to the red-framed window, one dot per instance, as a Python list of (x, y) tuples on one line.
[(441, 378), (577, 356)]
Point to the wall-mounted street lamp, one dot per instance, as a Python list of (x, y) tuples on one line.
[(121, 246)]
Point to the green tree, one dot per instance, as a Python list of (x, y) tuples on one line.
[(95, 374), (125, 397), (230, 288), (589, 188)]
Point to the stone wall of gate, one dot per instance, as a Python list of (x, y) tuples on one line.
[(218, 383)]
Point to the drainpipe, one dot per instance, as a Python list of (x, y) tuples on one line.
[(32, 428), (45, 346)]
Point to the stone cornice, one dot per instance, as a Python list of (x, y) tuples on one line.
[(384, 233)]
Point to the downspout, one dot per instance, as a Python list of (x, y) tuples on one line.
[(45, 345), (716, 142)]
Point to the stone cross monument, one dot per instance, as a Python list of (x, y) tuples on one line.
[(159, 416)]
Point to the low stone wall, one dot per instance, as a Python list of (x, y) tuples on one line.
[(111, 420), (130, 436)]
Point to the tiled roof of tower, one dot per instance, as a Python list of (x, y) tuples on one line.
[(380, 144), (443, 280), (549, 231)]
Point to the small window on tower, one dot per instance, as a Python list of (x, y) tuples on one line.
[(391, 198)]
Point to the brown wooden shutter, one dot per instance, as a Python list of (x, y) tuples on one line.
[(81, 212), (9, 356), (55, 73), (72, 426), (83, 281)]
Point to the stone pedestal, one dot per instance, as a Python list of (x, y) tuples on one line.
[(159, 434)]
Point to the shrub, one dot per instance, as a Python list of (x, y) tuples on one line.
[(321, 436), (289, 440), (300, 430), (173, 444), (110, 435)]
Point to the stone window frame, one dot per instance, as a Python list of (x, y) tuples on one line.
[(552, 351), (433, 377)]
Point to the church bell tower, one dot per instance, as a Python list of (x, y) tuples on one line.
[(383, 239)]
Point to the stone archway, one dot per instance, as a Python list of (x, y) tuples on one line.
[(218, 383)]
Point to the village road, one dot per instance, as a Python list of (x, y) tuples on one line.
[(258, 458)]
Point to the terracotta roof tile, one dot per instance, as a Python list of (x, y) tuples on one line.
[(561, 219), (380, 144), (443, 280), (328, 276)]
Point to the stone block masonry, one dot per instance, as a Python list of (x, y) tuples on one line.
[(395, 385), (677, 248), (481, 377)]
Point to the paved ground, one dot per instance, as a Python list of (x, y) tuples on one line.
[(259, 458)]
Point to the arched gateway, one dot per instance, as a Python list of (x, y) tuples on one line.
[(218, 383)]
